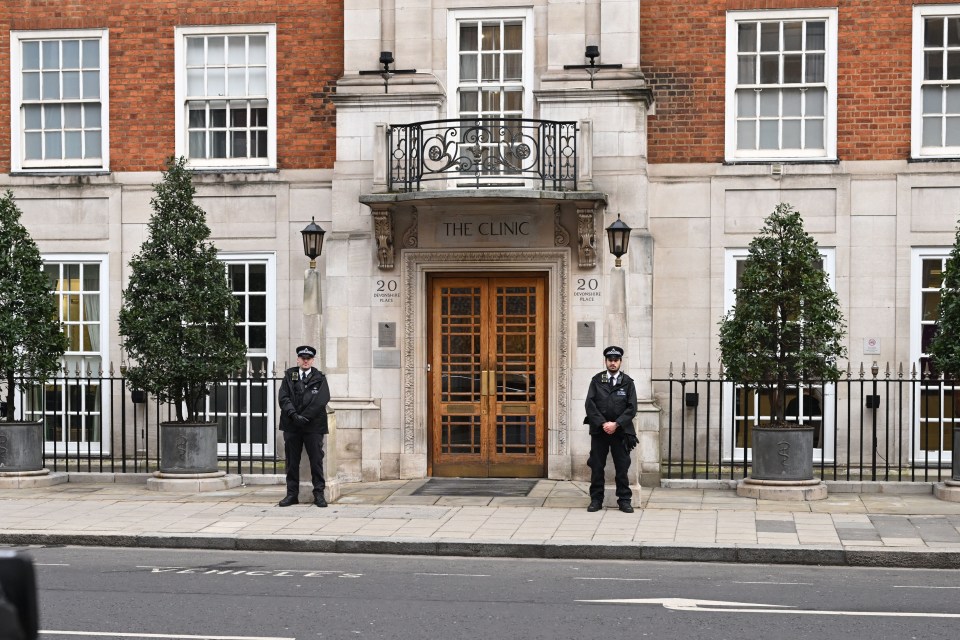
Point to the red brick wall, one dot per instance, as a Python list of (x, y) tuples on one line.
[(309, 61), (683, 57)]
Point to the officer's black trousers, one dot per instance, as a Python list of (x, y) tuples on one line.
[(294, 442), (600, 445)]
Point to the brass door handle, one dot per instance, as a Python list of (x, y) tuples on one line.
[(484, 390)]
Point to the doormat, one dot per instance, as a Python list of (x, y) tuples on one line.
[(491, 487)]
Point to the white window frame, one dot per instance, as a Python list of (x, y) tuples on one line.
[(829, 152), (731, 452), (917, 455), (269, 260), (18, 162), (917, 149), (106, 428), (454, 17), (182, 144)]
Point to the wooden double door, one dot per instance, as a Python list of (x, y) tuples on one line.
[(487, 389)]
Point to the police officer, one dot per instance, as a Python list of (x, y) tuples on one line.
[(303, 398), (611, 405)]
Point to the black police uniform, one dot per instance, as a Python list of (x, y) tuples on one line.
[(610, 403), (303, 420)]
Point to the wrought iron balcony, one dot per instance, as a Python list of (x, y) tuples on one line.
[(483, 152)]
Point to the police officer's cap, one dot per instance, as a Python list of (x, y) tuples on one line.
[(306, 351), (613, 352)]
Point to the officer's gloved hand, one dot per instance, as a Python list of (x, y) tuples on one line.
[(630, 441), (301, 420)]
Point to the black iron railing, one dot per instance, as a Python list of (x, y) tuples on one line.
[(892, 425), (94, 422), (483, 152)]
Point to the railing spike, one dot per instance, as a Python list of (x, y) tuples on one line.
[(861, 370), (670, 373), (683, 371), (886, 372), (111, 368), (708, 369), (696, 370), (913, 370)]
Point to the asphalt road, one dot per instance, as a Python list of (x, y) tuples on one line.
[(96, 594)]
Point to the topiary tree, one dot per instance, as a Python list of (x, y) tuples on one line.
[(944, 349), (178, 314), (786, 325), (31, 338)]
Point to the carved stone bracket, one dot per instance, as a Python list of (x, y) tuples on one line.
[(561, 237), (586, 230), (383, 232), (410, 240)]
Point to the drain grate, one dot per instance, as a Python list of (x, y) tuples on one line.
[(492, 487)]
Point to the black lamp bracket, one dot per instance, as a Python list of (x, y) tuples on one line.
[(386, 59), (592, 54)]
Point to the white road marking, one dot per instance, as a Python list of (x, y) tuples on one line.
[(910, 586), (113, 634), (50, 564), (686, 604), (621, 579), (782, 583), (458, 575)]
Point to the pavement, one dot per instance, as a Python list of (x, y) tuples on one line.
[(859, 524)]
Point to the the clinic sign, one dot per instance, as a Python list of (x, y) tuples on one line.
[(439, 229)]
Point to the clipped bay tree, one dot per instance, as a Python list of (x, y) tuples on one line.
[(944, 349), (178, 314), (786, 326), (31, 338)]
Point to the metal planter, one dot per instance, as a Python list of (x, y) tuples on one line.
[(188, 448), (21, 446), (782, 453)]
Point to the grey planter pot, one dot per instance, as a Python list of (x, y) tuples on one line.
[(188, 448), (782, 454), (21, 446)]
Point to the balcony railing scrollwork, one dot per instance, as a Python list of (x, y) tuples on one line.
[(483, 152)]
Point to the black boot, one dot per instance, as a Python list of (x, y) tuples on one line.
[(289, 500)]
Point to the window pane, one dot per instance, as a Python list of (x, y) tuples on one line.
[(746, 103), (258, 308), (194, 51), (932, 99), (491, 37), (218, 114), (198, 148), (953, 65), (746, 70), (932, 132), (259, 144), (73, 144), (953, 32), (31, 55), (814, 137), (816, 36), (791, 134), (52, 145), (258, 277), (768, 135), (71, 84), (216, 82), (816, 102), (237, 81), (71, 54), (770, 103), (953, 99), (238, 141), (31, 116), (215, 53), (770, 36), (91, 84), (953, 132), (258, 115), (933, 65), (93, 144), (468, 67), (468, 37), (746, 135), (792, 36), (468, 101), (51, 117), (258, 50), (33, 146), (51, 85), (513, 101), (769, 69), (933, 32), (512, 66), (238, 116), (791, 102), (31, 86), (513, 36), (236, 50), (218, 144), (72, 116), (258, 81), (196, 117), (91, 54), (91, 115), (258, 338), (91, 282), (491, 67), (793, 68), (50, 54), (816, 69), (747, 37)]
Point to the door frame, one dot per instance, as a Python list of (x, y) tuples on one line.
[(507, 469), (416, 264)]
